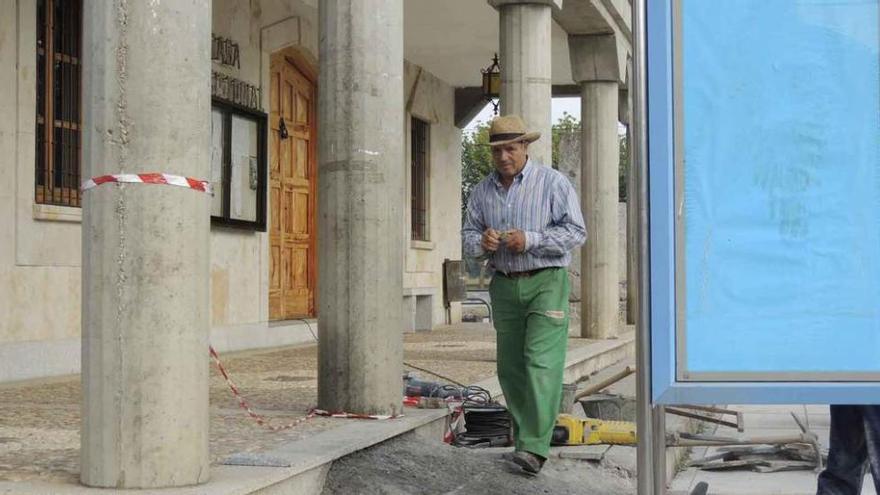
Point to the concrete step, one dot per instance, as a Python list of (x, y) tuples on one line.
[(585, 361), (352, 437)]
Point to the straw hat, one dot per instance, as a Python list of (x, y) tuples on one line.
[(510, 129)]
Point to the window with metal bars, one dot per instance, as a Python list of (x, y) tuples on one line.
[(59, 117), (419, 174)]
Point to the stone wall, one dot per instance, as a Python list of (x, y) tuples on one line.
[(433, 101), (39, 245)]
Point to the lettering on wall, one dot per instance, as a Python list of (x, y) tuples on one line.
[(224, 51), (236, 91)]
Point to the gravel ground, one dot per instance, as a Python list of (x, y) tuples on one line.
[(412, 466)]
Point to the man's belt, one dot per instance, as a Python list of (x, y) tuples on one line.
[(527, 273)]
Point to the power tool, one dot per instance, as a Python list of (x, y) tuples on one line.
[(413, 387), (572, 430)]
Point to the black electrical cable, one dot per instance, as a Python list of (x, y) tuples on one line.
[(438, 375), (474, 395), (308, 325), (467, 393), (444, 391), (486, 425)]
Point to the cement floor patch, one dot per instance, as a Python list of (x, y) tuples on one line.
[(429, 468)]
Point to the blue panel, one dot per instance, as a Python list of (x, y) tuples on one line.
[(782, 148), (660, 172), (782, 191)]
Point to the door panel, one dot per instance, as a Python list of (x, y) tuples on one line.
[(292, 197)]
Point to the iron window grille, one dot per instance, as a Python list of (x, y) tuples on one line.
[(58, 102), (419, 176)]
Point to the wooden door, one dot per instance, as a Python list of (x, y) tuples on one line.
[(292, 193)]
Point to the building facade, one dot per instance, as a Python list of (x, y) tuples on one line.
[(264, 130), (333, 197)]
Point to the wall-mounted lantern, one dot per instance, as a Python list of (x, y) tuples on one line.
[(492, 82)]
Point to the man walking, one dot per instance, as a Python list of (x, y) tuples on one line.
[(525, 218), (855, 446)]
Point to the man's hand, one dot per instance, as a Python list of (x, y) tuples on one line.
[(490, 241), (515, 240)]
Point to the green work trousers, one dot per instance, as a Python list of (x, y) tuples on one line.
[(531, 321)]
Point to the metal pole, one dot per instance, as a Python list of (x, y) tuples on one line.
[(659, 444), (644, 415)]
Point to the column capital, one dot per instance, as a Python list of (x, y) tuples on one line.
[(556, 4), (596, 57)]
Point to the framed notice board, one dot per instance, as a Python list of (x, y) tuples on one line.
[(764, 193)]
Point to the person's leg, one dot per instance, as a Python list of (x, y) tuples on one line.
[(871, 417), (508, 316), (847, 454), (545, 342)]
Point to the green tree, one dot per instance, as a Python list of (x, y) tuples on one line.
[(476, 161), (565, 125), (476, 156), (568, 124)]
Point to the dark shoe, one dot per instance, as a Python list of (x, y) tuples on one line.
[(529, 462)]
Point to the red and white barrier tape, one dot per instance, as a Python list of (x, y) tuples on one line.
[(454, 424), (150, 178), (263, 421)]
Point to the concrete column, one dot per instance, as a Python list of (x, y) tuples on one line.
[(632, 217), (594, 67), (145, 320), (360, 206), (570, 166), (525, 41)]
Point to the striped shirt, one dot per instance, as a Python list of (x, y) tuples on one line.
[(542, 203)]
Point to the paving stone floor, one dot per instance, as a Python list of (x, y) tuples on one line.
[(39, 421)]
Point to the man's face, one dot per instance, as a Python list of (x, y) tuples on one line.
[(510, 158)]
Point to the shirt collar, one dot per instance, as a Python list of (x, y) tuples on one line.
[(521, 176)]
